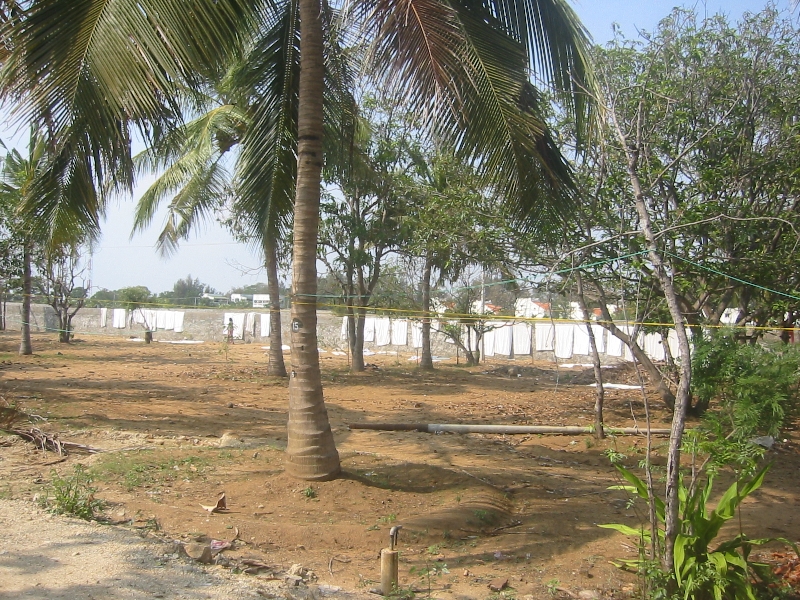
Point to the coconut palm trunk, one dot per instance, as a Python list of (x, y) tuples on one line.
[(25, 346), (276, 367), (311, 453)]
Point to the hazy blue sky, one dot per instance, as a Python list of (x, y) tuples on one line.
[(210, 254)]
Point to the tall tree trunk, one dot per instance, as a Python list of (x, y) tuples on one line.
[(682, 394), (25, 346), (357, 341), (599, 397), (276, 367), (310, 451), (426, 362)]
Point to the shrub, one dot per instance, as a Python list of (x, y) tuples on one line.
[(72, 495)]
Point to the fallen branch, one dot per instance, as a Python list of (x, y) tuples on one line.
[(46, 441), (333, 558)]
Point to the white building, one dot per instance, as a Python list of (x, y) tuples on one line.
[(529, 308), (260, 300)]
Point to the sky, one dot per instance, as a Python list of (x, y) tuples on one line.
[(211, 255)]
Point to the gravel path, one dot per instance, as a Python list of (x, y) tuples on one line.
[(49, 557)]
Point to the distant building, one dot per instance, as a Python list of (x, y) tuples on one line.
[(576, 314), (529, 308), (241, 298), (216, 298), (260, 300), (487, 309)]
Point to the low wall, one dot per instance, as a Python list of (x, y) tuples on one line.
[(206, 324)]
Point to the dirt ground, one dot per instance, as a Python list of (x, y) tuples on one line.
[(178, 424)]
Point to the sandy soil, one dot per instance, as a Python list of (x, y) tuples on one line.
[(179, 424)]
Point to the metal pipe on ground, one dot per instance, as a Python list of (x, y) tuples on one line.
[(500, 429)]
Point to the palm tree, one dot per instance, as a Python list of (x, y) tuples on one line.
[(17, 182), (94, 68)]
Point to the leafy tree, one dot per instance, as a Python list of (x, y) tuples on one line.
[(19, 180), (362, 211), (185, 291), (62, 284)]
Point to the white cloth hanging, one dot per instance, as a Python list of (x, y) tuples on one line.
[(238, 324), (653, 347), (580, 339), (250, 323), (150, 319), (343, 335), (599, 338), (503, 340), (103, 316), (672, 340), (614, 346), (169, 321), (399, 332), (627, 355), (178, 322), (522, 339), (137, 316), (563, 340), (544, 336), (487, 343), (118, 318), (266, 324), (161, 319), (369, 329), (416, 335), (383, 331)]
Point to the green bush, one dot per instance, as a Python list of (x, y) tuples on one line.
[(744, 391), (72, 495), (704, 568)]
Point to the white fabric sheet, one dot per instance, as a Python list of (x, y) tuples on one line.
[(250, 323), (383, 331), (118, 318), (343, 335), (672, 340), (627, 355), (399, 332), (614, 346), (178, 322), (502, 340), (544, 336), (580, 339), (103, 316), (487, 344), (599, 338), (161, 319), (416, 335), (564, 337), (653, 346), (238, 324), (369, 329), (266, 323), (522, 339), (169, 321)]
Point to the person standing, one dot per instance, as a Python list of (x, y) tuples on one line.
[(230, 330)]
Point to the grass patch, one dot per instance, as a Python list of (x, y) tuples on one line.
[(149, 469), (72, 495)]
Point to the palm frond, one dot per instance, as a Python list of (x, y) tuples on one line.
[(463, 60), (83, 69)]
